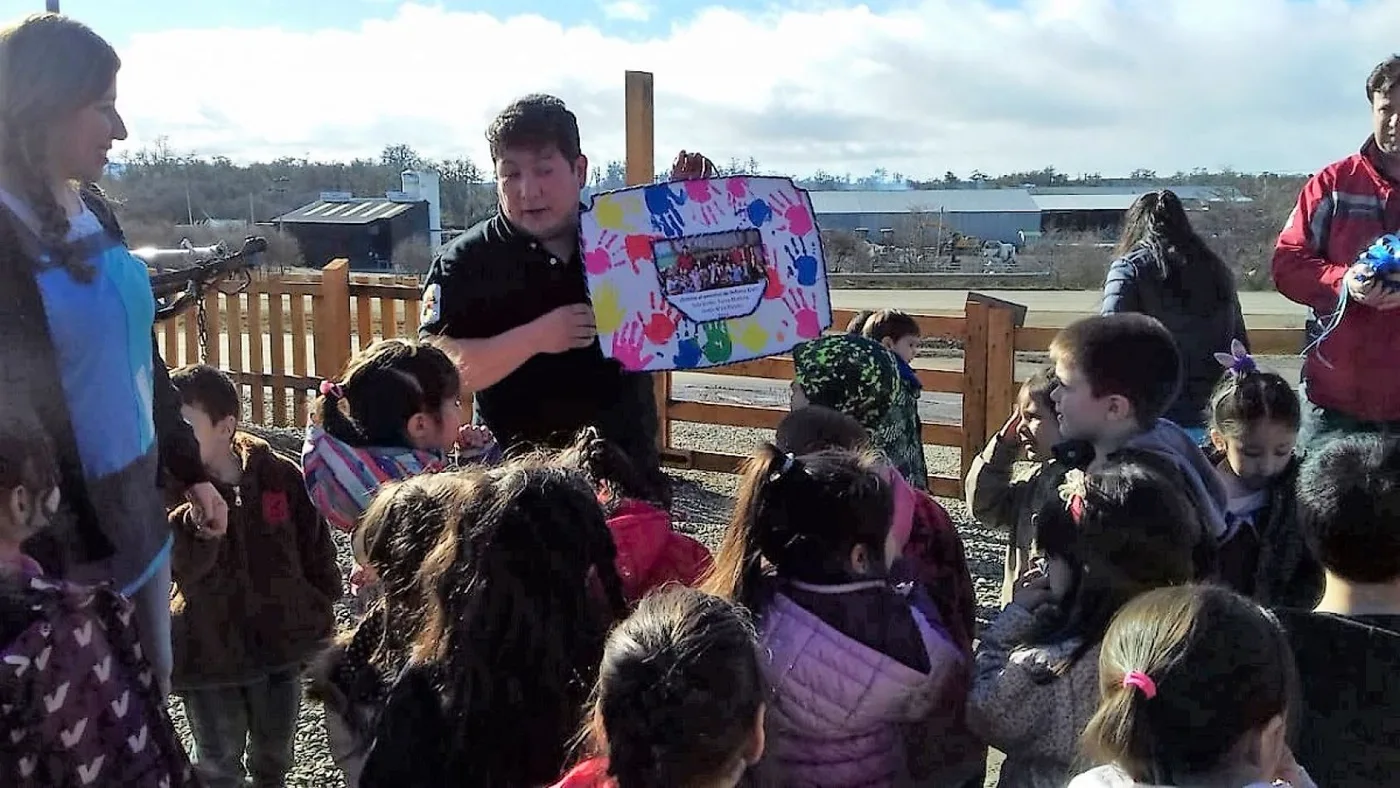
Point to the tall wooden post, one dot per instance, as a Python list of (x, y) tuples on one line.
[(641, 169)]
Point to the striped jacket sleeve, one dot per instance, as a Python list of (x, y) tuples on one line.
[(1301, 270)]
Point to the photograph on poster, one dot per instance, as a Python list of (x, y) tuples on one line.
[(715, 276)]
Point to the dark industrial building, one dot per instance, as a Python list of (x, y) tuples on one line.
[(364, 230)]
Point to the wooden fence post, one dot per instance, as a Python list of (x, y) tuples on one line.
[(974, 404), (331, 312), (1003, 318), (641, 169)]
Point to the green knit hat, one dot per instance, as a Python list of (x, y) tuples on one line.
[(848, 373)]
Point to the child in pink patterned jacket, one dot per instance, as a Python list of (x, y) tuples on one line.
[(866, 680), (79, 703)]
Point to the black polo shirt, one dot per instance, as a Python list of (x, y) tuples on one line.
[(494, 278)]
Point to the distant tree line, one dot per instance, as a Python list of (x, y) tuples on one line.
[(157, 188)]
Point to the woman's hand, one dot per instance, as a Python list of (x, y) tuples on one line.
[(211, 510)]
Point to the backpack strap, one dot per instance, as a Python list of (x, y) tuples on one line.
[(96, 201)]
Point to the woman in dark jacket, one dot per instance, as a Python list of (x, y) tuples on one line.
[(77, 319), (1164, 269)]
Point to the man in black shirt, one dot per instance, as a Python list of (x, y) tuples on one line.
[(508, 300)]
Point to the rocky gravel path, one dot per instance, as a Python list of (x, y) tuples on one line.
[(703, 505)]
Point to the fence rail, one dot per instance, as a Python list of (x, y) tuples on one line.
[(290, 330)]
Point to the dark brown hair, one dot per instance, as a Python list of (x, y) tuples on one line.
[(1156, 225), (514, 628), (27, 457), (535, 121), (891, 324), (208, 389), (1349, 507), (384, 386), (1128, 354), (610, 471), (1240, 400), (1037, 389), (679, 692), (1384, 78), (1136, 531), (1222, 669), (816, 428), (51, 66), (803, 515)]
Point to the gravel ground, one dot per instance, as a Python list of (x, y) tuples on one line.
[(703, 504)]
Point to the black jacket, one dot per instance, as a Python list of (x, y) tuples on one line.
[(1271, 561), (30, 378), (1135, 284)]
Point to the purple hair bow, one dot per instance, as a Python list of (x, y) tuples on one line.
[(1238, 361)]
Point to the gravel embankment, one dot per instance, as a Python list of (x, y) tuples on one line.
[(703, 504)]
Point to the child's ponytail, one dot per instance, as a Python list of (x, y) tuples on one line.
[(803, 515), (383, 387), (1184, 673), (610, 470)]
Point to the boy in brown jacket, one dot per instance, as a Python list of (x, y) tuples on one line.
[(252, 606), (997, 499)]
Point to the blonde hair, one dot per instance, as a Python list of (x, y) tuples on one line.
[(50, 67)]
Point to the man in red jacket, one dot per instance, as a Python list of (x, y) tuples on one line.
[(1352, 377)]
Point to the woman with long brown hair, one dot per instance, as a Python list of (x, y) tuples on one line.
[(1166, 270), (76, 319)]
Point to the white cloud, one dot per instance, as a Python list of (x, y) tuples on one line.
[(1083, 85), (629, 10)]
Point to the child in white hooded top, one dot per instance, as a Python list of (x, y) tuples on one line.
[(1195, 684)]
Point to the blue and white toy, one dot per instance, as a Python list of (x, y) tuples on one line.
[(1383, 258)]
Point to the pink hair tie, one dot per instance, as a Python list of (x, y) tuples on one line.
[(1142, 681), (331, 389)]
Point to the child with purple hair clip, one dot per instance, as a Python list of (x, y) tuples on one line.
[(1254, 417)]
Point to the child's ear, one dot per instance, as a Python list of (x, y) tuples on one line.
[(419, 428), (17, 506), (1119, 408), (1265, 749), (860, 559), (1217, 440), (226, 427), (888, 343), (758, 740)]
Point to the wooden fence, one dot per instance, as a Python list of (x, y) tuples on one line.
[(289, 331)]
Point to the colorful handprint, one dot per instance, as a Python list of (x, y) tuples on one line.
[(804, 312), (616, 211), (803, 261), (750, 334), (775, 287), (688, 352), (598, 260), (661, 326), (663, 204), (758, 213), (699, 191), (718, 348), (627, 346), (795, 214), (638, 251), (607, 308)]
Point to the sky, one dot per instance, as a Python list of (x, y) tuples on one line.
[(918, 87)]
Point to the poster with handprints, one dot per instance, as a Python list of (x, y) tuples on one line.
[(701, 273)]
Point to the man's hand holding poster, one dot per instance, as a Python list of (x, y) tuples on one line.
[(705, 272)]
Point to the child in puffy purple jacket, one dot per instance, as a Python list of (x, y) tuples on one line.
[(867, 683)]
